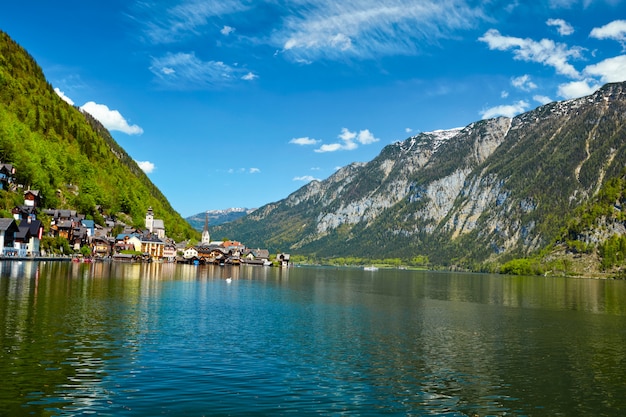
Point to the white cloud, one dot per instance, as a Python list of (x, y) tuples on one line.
[(366, 137), (615, 30), (227, 30), (610, 70), (306, 178), (330, 29), (146, 166), (577, 89), (509, 110), (243, 171), (504, 94), (408, 130), (111, 119), (333, 147), (304, 141), (346, 135), (523, 83), (545, 52), (542, 99), (185, 71), (349, 141), (185, 19), (564, 28), (250, 76), (64, 97), (306, 30)]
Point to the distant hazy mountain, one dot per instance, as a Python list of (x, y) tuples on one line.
[(493, 190), (217, 217)]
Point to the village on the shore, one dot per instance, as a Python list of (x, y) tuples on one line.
[(22, 234)]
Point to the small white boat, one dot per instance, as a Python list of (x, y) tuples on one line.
[(370, 268)]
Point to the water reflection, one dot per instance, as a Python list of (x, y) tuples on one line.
[(147, 339)]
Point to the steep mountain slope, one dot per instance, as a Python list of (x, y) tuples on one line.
[(66, 154), (493, 190)]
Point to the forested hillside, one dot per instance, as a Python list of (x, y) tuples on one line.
[(66, 154)]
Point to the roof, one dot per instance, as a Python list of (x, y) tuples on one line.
[(7, 224), (152, 239), (32, 226), (158, 224), (64, 224), (88, 223), (121, 236), (26, 230), (8, 168)]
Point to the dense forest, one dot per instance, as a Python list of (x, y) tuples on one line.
[(68, 155)]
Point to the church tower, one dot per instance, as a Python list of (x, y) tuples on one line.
[(206, 238), (149, 219)]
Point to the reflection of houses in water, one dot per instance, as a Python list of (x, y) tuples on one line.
[(22, 270)]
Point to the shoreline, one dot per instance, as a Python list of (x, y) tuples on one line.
[(35, 258)]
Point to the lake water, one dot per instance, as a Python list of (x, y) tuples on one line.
[(179, 340)]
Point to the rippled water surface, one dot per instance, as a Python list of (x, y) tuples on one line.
[(160, 339)]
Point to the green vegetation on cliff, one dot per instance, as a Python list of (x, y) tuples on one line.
[(66, 154)]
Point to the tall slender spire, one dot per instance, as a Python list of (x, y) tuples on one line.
[(206, 238)]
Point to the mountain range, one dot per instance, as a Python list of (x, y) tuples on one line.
[(217, 217), (492, 191), (547, 185)]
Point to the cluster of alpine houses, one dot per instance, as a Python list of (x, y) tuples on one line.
[(21, 235), (228, 252)]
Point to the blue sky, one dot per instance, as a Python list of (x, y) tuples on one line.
[(238, 103)]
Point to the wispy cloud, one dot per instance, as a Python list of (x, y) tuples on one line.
[(615, 30), (111, 119), (508, 110), (185, 71), (330, 29), (249, 76), (304, 141), (523, 83), (545, 51), (610, 70), (306, 30), (349, 141), (185, 19), (542, 99), (606, 71), (306, 178), (564, 28), (577, 89), (227, 30), (252, 170), (146, 166)]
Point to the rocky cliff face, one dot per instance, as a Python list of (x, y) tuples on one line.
[(495, 187)]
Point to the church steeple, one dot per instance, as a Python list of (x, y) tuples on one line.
[(206, 238), (149, 219)]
